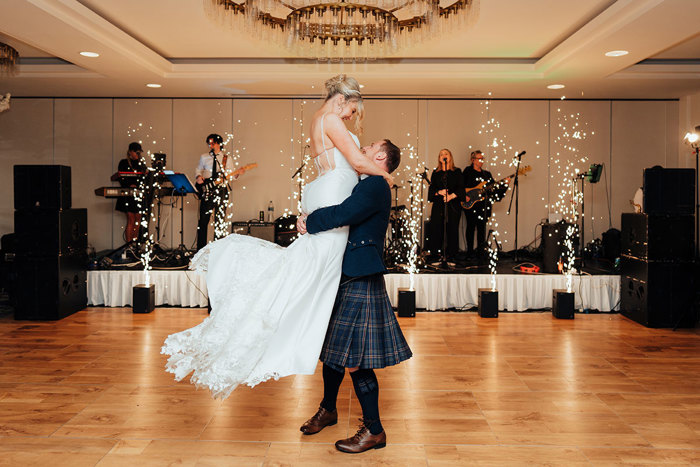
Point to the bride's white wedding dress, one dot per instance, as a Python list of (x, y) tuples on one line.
[(270, 305)]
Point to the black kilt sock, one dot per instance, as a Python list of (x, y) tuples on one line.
[(331, 385), (367, 391)]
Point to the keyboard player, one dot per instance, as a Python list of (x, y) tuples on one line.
[(133, 163)]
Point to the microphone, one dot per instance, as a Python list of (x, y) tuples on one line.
[(521, 154)]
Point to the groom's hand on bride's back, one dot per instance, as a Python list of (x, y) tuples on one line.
[(301, 224)]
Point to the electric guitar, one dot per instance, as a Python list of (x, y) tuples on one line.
[(483, 190), (210, 185)]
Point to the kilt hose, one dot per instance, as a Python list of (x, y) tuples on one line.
[(363, 331)]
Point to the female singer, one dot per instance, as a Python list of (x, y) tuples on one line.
[(446, 191)]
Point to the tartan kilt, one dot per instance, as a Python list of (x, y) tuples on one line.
[(363, 331)]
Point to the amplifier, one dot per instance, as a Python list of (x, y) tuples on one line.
[(657, 294), (50, 288), (669, 191), (48, 232), (262, 230), (658, 237), (42, 186)]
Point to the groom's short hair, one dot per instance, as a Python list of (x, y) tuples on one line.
[(393, 155)]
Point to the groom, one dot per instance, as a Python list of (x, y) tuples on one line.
[(363, 333)]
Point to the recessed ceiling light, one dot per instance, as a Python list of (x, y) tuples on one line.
[(616, 53), (556, 86), (153, 85), (90, 54)]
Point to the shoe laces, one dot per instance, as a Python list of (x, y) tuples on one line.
[(361, 429), (320, 413)]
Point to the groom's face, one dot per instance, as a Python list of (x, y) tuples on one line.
[(375, 153)]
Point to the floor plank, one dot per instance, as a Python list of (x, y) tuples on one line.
[(521, 389)]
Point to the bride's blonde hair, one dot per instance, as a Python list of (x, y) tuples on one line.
[(349, 88)]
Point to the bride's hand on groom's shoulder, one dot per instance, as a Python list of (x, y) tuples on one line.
[(301, 224)]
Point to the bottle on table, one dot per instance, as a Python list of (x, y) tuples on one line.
[(270, 212)]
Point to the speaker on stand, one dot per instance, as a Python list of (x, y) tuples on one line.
[(51, 278), (657, 270)]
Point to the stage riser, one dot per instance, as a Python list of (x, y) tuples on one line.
[(433, 291)]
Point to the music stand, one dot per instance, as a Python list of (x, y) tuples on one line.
[(181, 187)]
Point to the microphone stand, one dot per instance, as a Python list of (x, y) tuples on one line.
[(582, 243), (424, 176), (443, 258), (516, 194)]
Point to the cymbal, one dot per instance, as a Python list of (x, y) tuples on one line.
[(399, 207), (396, 187)]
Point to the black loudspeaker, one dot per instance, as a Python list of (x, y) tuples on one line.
[(45, 232), (42, 186), (407, 303), (562, 304), (612, 244), (658, 237), (50, 288), (657, 294), (669, 191), (553, 245), (144, 298), (488, 303)]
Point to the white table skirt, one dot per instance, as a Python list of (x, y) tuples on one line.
[(516, 292), (174, 288)]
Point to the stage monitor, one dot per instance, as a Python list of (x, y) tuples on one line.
[(594, 173)]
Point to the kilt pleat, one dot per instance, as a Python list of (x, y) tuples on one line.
[(363, 330)]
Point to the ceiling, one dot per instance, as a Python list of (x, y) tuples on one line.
[(513, 50)]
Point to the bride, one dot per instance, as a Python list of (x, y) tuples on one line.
[(271, 305)]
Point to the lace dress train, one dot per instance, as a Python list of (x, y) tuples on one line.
[(270, 305)]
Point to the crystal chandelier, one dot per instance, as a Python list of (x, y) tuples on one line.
[(8, 59), (344, 30)]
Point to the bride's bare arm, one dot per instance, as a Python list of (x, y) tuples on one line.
[(340, 137)]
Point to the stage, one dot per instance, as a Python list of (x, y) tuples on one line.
[(434, 291)]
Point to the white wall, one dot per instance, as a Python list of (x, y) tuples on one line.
[(91, 135)]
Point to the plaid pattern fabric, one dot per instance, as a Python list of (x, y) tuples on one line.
[(363, 331)]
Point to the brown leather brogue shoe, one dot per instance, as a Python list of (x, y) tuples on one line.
[(319, 421), (363, 441)]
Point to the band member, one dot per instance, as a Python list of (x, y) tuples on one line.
[(128, 204), (215, 166), (446, 186), (478, 215)]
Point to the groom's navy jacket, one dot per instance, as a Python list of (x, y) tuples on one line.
[(366, 211)]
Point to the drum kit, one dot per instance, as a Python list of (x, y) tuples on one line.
[(398, 242)]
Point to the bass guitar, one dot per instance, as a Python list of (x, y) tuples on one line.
[(211, 186), (484, 190)]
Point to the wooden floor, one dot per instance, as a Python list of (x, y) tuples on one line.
[(520, 389)]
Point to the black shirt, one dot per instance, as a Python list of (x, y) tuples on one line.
[(472, 178), (452, 179)]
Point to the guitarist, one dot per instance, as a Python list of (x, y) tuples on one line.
[(479, 214), (211, 166)]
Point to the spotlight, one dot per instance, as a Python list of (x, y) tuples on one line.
[(616, 53), (692, 138)]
